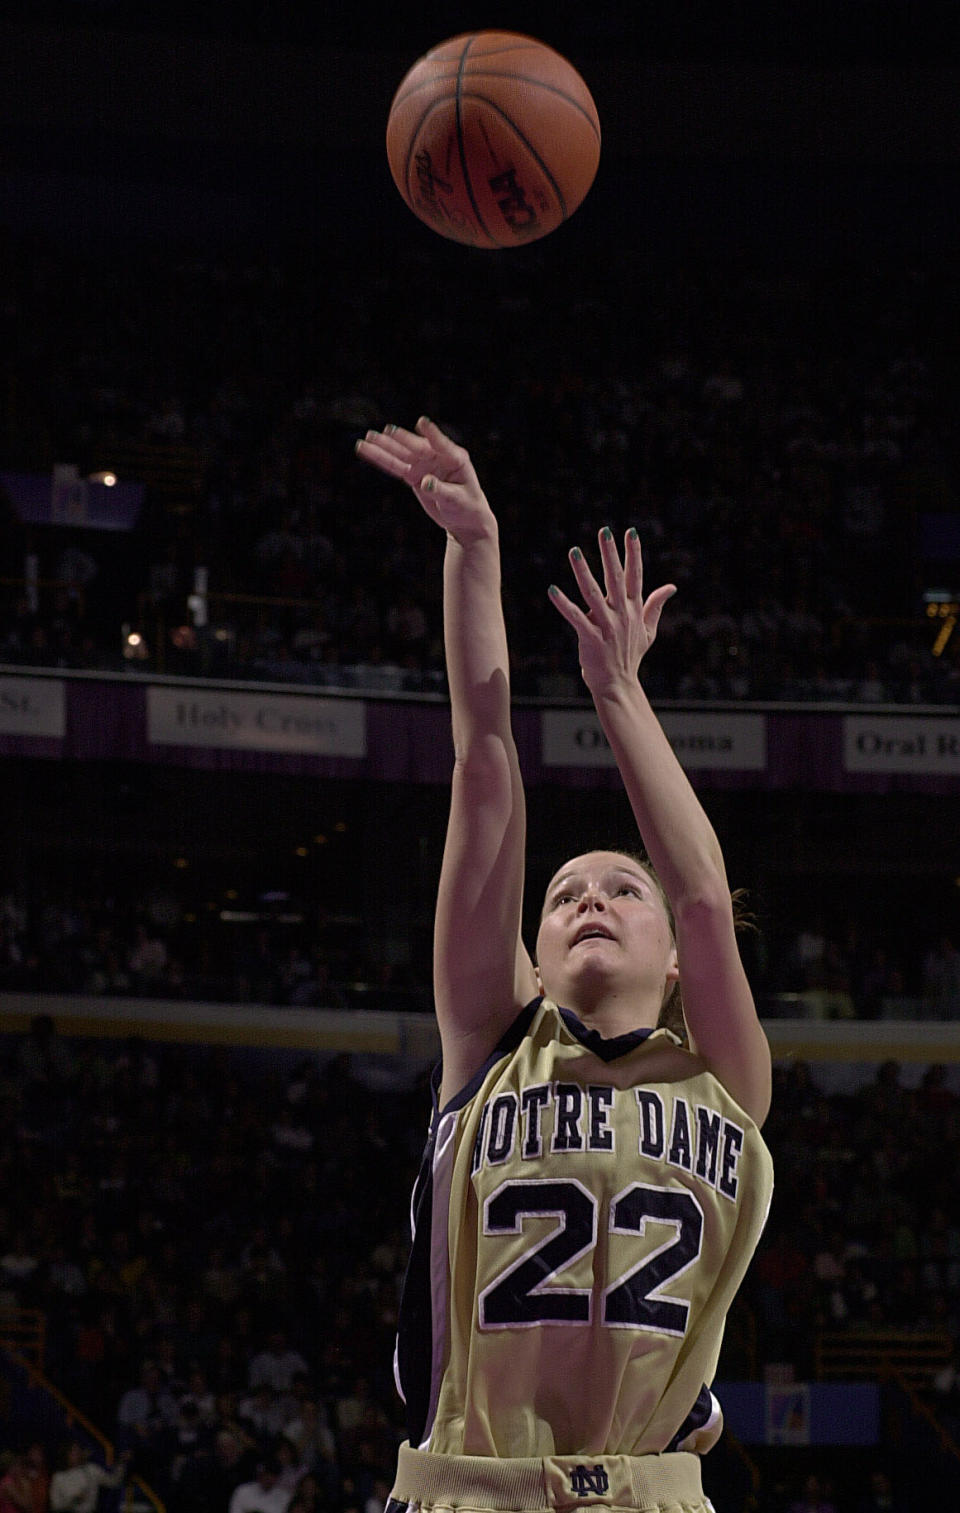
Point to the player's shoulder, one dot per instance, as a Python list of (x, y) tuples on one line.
[(665, 1060)]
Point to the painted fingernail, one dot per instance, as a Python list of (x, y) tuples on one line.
[(632, 533), (553, 590), (576, 553), (428, 484), (425, 420), (358, 444), (607, 533), (389, 430)]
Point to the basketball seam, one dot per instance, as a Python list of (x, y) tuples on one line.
[(413, 142), (491, 74), (514, 47), (530, 148), (539, 84), (460, 147)]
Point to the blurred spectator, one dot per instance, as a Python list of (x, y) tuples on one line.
[(814, 1498), (292, 1467), (18, 1268), (146, 959), (179, 1449), (25, 1485), (16, 1488), (198, 1393), (260, 1413), (941, 979), (143, 1414), (75, 1488), (266, 1494), (310, 1433), (781, 1277), (45, 1061), (379, 1496), (945, 1395), (880, 1496), (308, 1497), (208, 1485)]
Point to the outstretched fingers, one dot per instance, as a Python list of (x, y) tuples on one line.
[(620, 579), (570, 611), (654, 606), (633, 564), (386, 451), (428, 431), (593, 595), (609, 612), (614, 577)]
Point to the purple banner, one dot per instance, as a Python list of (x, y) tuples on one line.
[(250, 728), (49, 499)]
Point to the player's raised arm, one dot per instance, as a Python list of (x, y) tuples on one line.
[(482, 975), (615, 629)]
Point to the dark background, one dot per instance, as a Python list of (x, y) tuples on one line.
[(770, 132)]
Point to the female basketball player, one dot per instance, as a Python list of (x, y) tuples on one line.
[(592, 1191)]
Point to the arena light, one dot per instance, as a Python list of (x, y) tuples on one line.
[(107, 478), (133, 645)]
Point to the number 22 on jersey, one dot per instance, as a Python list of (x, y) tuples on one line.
[(529, 1290)]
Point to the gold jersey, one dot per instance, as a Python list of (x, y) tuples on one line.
[(585, 1212)]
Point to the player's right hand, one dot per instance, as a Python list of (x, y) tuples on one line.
[(440, 474)]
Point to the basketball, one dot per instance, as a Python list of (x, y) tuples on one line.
[(493, 139)]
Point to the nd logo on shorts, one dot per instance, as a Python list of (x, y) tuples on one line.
[(589, 1481)]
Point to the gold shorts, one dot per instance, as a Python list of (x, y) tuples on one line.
[(485, 1484)]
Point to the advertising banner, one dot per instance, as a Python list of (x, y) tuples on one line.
[(221, 719), (708, 739), (33, 707), (899, 743)]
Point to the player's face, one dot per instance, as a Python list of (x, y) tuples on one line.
[(604, 922)]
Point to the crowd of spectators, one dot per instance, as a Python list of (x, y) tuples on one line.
[(783, 443), (152, 944), (262, 1348), (850, 970), (256, 1355), (873, 1238)]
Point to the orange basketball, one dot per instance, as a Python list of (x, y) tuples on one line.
[(493, 139)]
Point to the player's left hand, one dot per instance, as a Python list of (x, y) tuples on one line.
[(618, 626)]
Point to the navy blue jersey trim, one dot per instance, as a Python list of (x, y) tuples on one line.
[(507, 1044), (696, 1418), (607, 1050), (415, 1320)]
